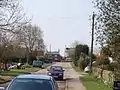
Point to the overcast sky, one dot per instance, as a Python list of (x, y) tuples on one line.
[(62, 21)]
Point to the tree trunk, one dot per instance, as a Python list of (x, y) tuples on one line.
[(28, 57), (5, 64), (101, 73)]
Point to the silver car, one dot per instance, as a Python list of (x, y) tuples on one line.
[(33, 82)]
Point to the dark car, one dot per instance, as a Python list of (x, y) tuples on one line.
[(56, 72), (33, 82)]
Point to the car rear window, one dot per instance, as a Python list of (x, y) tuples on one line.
[(57, 68), (31, 84)]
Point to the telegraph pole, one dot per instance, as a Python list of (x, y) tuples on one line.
[(92, 40), (50, 48)]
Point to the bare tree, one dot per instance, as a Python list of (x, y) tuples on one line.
[(12, 18), (32, 38)]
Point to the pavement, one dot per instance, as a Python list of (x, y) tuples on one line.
[(71, 78)]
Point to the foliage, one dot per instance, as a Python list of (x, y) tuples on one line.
[(32, 38), (104, 61), (12, 18), (83, 61), (17, 32), (79, 50), (26, 66), (106, 51), (108, 27)]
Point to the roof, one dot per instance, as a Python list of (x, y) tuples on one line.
[(33, 76)]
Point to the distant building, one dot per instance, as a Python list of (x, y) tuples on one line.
[(55, 55), (69, 52)]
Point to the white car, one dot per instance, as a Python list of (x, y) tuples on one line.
[(13, 67)]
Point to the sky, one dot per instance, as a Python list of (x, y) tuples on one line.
[(62, 21)]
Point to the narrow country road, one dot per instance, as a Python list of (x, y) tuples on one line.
[(71, 78)]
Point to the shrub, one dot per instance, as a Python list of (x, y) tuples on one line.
[(26, 66), (83, 62)]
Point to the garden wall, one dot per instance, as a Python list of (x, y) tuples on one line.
[(104, 74)]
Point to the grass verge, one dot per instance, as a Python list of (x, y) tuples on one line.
[(6, 76), (15, 72), (77, 69), (46, 65), (91, 82)]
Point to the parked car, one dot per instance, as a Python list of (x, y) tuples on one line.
[(32, 82), (56, 72), (37, 63), (12, 67)]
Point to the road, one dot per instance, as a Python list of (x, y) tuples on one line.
[(71, 78)]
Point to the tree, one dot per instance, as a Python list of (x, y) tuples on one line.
[(108, 27), (106, 51), (74, 44), (79, 50), (12, 19), (85, 49), (32, 38)]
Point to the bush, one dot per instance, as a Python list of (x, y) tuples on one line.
[(32, 58), (83, 62), (26, 66)]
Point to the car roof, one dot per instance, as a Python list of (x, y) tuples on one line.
[(34, 76), (56, 66)]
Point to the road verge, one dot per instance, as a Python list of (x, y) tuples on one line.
[(94, 83), (7, 76), (90, 81)]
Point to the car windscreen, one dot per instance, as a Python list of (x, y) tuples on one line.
[(56, 68), (30, 84), (37, 62)]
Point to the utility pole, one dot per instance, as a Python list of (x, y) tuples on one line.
[(92, 40), (50, 48)]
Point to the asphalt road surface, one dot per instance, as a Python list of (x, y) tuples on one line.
[(71, 78)]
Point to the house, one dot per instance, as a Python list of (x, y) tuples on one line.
[(54, 55)]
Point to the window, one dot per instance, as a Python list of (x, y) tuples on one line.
[(30, 84)]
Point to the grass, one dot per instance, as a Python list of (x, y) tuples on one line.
[(91, 82), (15, 72), (46, 65), (6, 76), (77, 69)]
